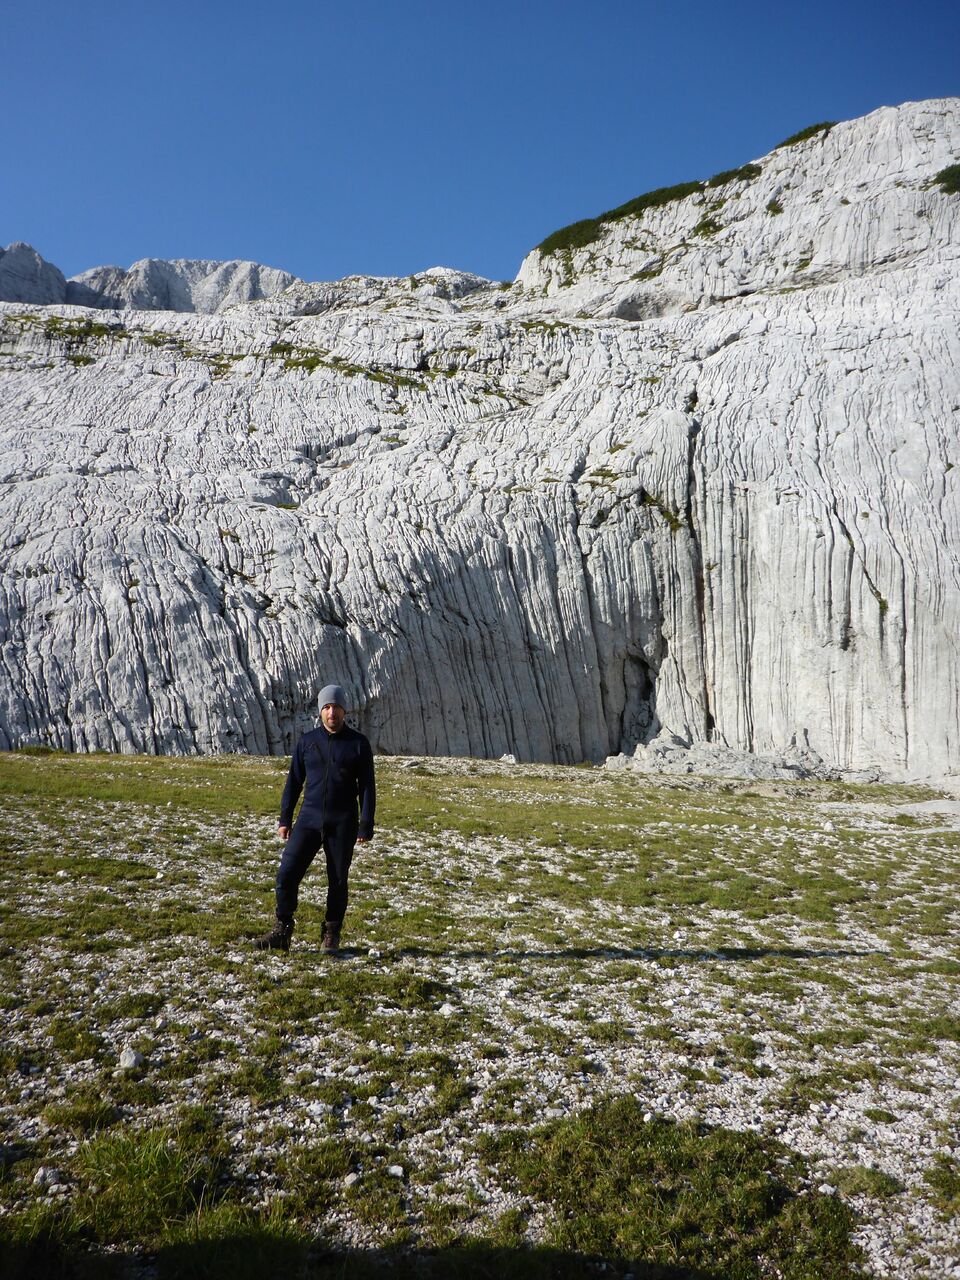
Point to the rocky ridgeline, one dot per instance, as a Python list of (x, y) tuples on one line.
[(149, 285), (691, 479)]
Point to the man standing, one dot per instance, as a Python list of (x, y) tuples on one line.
[(335, 765)]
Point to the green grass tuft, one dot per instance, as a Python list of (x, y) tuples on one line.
[(861, 1180), (134, 1185), (812, 131), (948, 180), (229, 1242), (652, 1193), (943, 1179), (746, 173), (587, 230)]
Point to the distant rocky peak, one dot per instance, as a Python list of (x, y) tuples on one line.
[(192, 285), (27, 277), (205, 286), (152, 284)]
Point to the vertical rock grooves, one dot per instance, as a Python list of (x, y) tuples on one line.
[(696, 566), (885, 625), (598, 677)]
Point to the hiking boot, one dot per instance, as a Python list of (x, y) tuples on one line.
[(278, 939), (330, 942)]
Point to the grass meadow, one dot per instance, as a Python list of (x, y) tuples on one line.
[(585, 1023)]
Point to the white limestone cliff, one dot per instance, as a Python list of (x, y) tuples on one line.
[(517, 520)]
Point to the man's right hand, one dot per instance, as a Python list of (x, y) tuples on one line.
[(283, 833)]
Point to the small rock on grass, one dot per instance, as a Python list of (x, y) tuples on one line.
[(131, 1060)]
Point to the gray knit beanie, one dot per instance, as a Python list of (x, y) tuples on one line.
[(332, 693)]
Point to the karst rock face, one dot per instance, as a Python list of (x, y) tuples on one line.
[(695, 480)]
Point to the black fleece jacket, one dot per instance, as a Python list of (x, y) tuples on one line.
[(337, 771)]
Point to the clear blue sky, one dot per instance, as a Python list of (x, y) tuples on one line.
[(331, 138)]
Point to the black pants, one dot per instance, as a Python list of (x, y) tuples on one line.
[(337, 842)]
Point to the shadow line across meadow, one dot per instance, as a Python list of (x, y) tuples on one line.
[(694, 955), (258, 1253)]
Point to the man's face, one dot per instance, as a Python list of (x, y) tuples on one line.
[(332, 715)]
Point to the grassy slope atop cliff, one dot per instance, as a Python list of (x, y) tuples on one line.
[(686, 1028)]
